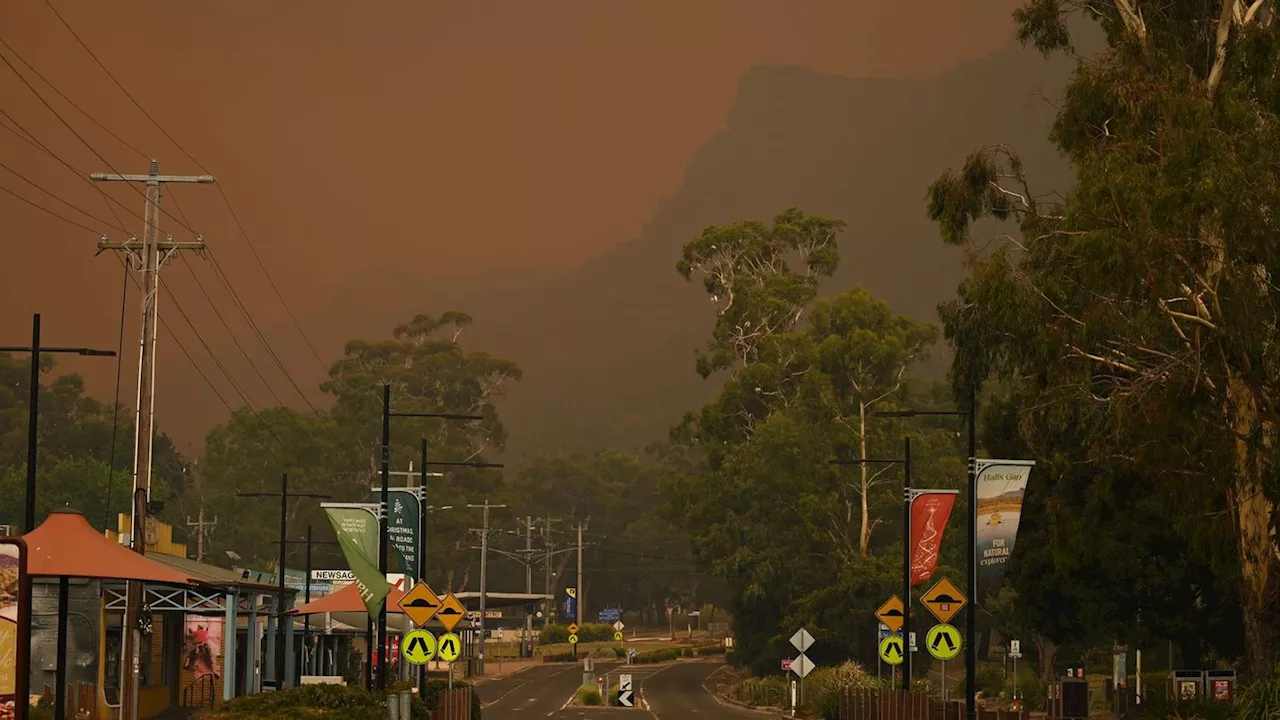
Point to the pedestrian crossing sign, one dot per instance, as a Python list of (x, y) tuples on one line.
[(450, 647), (891, 650), (419, 647), (943, 641)]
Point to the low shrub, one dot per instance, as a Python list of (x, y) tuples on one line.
[(709, 650), (761, 692), (1030, 688), (1260, 700), (337, 702), (587, 633), (588, 695), (322, 702), (824, 687), (561, 657), (657, 656)]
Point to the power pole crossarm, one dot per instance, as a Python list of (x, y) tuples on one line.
[(149, 254)]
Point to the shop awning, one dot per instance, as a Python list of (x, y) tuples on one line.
[(65, 545)]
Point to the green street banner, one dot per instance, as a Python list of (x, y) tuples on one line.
[(403, 513), (357, 531), (1001, 487)]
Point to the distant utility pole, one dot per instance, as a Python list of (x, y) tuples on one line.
[(527, 645), (580, 603), (148, 254), (484, 576), (200, 524), (551, 603)]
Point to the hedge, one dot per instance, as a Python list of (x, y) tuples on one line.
[(336, 702), (587, 632)]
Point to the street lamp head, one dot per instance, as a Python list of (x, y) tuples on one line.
[(97, 353)]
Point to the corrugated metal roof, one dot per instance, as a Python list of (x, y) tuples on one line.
[(208, 573)]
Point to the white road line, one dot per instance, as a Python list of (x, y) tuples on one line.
[(520, 686)]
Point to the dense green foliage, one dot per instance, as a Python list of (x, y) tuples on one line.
[(74, 450), (798, 540), (1133, 325)]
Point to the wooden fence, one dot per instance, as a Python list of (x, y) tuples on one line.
[(879, 704), (454, 704)]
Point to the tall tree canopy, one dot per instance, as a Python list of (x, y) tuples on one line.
[(1139, 312), (74, 450), (795, 537)]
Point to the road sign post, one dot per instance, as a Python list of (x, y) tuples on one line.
[(802, 665), (944, 600), (626, 694)]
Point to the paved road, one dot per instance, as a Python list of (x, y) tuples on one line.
[(537, 691), (673, 692), (678, 693)]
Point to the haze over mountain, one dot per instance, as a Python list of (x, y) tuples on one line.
[(608, 348)]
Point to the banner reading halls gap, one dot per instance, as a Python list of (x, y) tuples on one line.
[(1002, 485)]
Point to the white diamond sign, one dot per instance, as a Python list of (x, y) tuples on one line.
[(618, 626), (802, 665), (802, 640)]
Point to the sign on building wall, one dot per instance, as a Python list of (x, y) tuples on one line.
[(202, 645)]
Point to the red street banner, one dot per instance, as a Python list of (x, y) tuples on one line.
[(929, 514)]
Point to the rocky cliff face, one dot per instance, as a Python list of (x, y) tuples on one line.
[(608, 348)]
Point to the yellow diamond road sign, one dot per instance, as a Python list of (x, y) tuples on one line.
[(890, 613), (573, 628), (943, 641), (420, 604), (944, 600), (450, 613), (891, 650), (419, 647), (450, 647)]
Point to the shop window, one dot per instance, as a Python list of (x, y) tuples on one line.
[(111, 666)]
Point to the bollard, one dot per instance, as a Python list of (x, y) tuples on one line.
[(393, 708), (406, 705)]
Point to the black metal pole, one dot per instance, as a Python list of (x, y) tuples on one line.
[(306, 619), (971, 615), (383, 539), (284, 520), (906, 564), (60, 677), (368, 660), (33, 416), (422, 551)]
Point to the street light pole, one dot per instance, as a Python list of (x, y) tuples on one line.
[(306, 588), (383, 538), (278, 664), (905, 462), (33, 408), (22, 685), (971, 615)]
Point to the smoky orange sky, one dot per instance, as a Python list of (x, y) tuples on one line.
[(452, 137)]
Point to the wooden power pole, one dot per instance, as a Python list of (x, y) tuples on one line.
[(150, 254)]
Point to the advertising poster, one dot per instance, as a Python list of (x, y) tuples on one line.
[(929, 514), (202, 646), (11, 554), (1001, 487)]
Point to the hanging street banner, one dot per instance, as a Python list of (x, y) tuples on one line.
[(403, 513), (1001, 487), (930, 510), (357, 531)]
